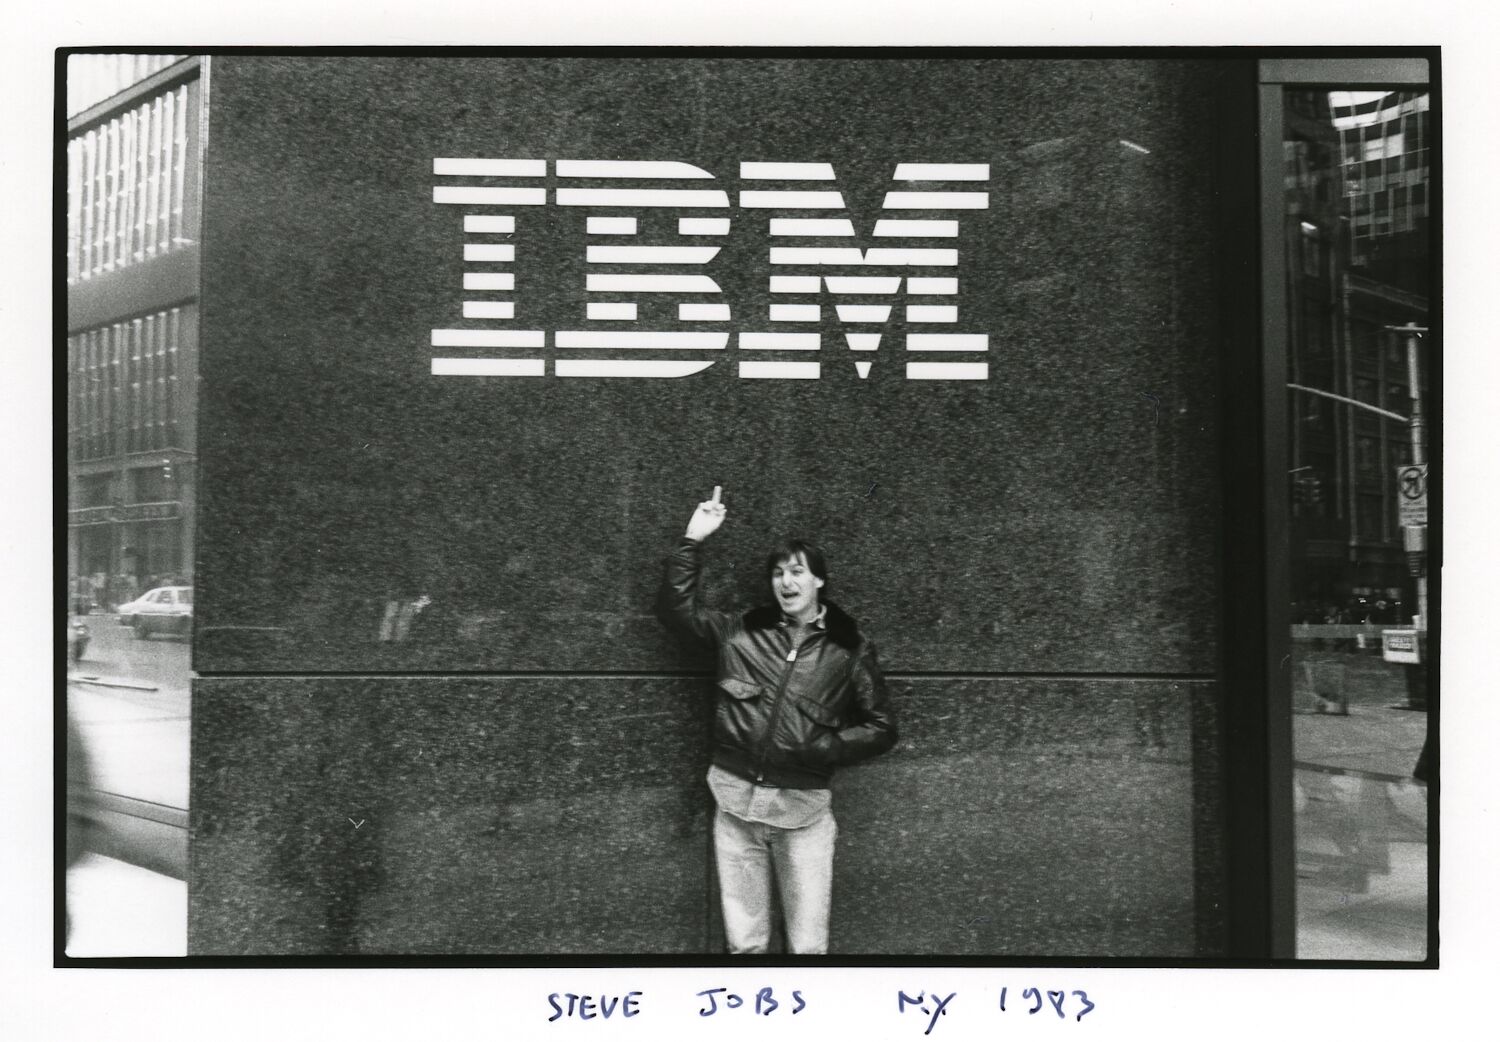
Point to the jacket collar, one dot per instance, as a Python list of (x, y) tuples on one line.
[(841, 629)]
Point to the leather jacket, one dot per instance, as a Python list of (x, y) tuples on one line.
[(783, 716)]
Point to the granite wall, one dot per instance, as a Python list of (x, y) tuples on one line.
[(436, 713)]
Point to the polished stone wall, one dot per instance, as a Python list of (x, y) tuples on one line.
[(569, 815), (425, 602)]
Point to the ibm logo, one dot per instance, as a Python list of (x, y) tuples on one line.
[(914, 267)]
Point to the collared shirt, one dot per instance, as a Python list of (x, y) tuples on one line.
[(817, 620), (799, 629), (767, 804)]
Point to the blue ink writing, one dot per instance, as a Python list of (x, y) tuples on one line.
[(583, 1006), (1057, 998), (940, 1006), (1084, 996), (765, 1001)]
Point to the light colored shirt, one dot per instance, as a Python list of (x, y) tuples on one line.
[(799, 629), (767, 804)]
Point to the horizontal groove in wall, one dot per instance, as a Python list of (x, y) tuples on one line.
[(606, 675)]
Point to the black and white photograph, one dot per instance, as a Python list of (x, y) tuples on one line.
[(496, 442), (751, 508)]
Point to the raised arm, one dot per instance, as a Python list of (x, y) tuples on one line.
[(678, 604)]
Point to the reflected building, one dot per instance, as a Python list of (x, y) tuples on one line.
[(132, 334), (1357, 180)]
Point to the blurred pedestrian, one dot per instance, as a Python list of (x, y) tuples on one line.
[(78, 790)]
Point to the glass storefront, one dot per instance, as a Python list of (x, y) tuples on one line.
[(1360, 351)]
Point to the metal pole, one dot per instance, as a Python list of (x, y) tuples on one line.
[(1416, 535), (1417, 423)]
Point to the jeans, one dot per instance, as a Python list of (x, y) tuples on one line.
[(746, 852)]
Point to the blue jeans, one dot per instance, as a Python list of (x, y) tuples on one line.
[(746, 852)]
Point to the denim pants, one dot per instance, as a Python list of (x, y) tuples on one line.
[(747, 852)]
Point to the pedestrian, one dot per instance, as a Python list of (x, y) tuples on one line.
[(799, 694), (78, 795), (125, 590)]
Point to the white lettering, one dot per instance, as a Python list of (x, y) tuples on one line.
[(494, 318)]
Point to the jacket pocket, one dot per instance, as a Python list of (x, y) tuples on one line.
[(739, 713), (740, 689), (819, 742), (819, 713)]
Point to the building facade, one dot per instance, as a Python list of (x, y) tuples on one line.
[(470, 336), (133, 156), (1359, 182)]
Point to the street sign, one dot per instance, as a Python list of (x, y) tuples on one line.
[(1400, 646), (1411, 486)]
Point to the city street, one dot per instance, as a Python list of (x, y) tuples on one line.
[(130, 700)]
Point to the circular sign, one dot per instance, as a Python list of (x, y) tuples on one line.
[(1413, 481)]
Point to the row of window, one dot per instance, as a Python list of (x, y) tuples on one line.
[(124, 387), (1384, 153), (1399, 181), (156, 482), (127, 181), (1412, 160), (1372, 117)]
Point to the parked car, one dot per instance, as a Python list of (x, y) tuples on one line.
[(78, 641), (166, 609)]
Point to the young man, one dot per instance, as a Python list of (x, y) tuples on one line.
[(799, 694)]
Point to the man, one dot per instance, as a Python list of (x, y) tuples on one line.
[(799, 694)]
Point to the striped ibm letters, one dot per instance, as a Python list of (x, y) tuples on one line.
[(914, 266)]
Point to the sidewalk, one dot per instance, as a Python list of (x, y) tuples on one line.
[(119, 910), (1361, 824)]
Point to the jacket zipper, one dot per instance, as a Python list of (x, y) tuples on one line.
[(786, 677)]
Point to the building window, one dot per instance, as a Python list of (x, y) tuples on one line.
[(126, 186), (1312, 249), (151, 485), (92, 491), (125, 387)]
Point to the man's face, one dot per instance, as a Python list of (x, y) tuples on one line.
[(796, 588)]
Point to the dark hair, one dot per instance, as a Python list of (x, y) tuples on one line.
[(790, 550)]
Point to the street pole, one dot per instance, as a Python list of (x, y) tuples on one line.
[(1416, 535)]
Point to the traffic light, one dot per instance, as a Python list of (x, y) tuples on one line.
[(166, 470), (1307, 491)]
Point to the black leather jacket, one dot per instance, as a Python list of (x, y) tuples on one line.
[(784, 716)]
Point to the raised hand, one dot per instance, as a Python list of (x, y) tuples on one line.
[(707, 518)]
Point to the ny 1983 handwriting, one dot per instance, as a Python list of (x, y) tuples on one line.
[(1057, 999), (934, 1005)]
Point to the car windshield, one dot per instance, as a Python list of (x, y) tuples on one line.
[(185, 595)]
